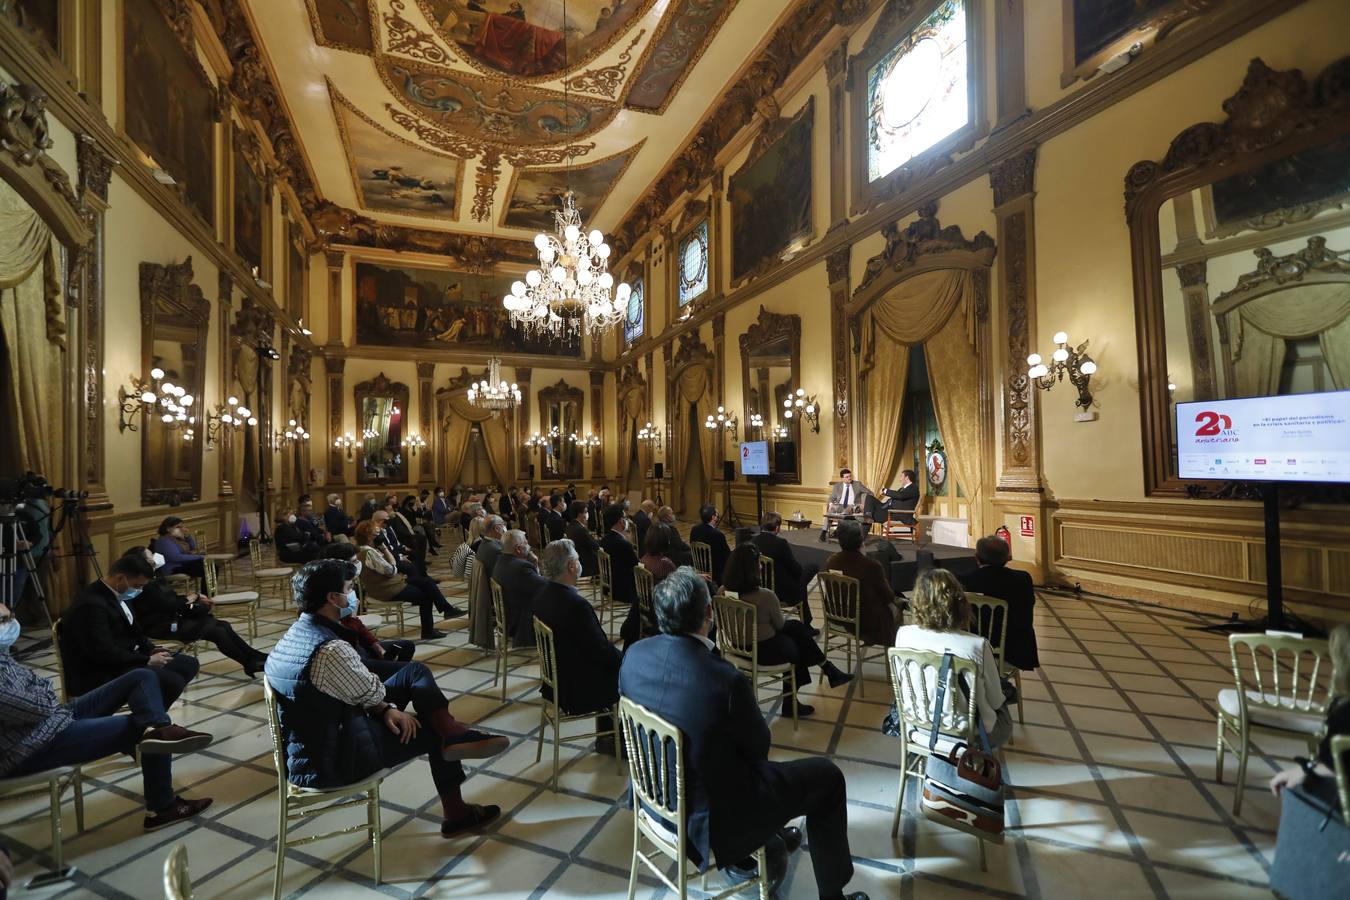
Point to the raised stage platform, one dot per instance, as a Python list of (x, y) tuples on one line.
[(901, 559)]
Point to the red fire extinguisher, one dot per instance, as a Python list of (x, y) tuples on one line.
[(1003, 532)]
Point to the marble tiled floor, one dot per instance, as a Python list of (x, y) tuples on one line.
[(1112, 778)]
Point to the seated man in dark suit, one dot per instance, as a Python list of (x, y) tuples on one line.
[(707, 532), (737, 801), (517, 571), (789, 577), (994, 579), (310, 524), (588, 664), (100, 638), (551, 515), (623, 559), (680, 552), (578, 531), (335, 520), (642, 520), (904, 500)]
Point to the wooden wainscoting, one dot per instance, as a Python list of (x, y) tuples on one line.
[(1203, 555)]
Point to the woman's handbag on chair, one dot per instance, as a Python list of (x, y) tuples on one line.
[(964, 788)]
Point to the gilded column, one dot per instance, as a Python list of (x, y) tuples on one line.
[(333, 370), (426, 373), (719, 328), (336, 259), (598, 424), (226, 436), (95, 171), (523, 420), (836, 270)]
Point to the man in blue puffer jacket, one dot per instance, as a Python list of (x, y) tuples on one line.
[(342, 723)]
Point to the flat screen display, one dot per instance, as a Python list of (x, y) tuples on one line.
[(1295, 437), (755, 458)]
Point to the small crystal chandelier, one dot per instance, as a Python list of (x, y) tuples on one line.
[(493, 393), (569, 295)]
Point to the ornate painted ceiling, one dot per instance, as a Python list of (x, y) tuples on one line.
[(472, 115)]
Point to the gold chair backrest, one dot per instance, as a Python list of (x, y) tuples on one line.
[(989, 619), (60, 664), (548, 658), (209, 574), (766, 573), (737, 629), (274, 728), (177, 881), (914, 679), (656, 772), (1340, 749), (644, 583), (255, 553), (606, 575), (498, 610), (360, 596), (702, 557), (1288, 673), (199, 538), (841, 599)]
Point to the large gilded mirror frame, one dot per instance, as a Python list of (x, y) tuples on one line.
[(771, 367), (560, 407), (175, 319), (1273, 115), (382, 413)]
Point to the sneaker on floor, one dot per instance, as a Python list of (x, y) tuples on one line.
[(476, 817), (472, 744), (173, 739), (178, 811)]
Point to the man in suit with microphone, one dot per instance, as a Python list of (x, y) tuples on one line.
[(846, 495)]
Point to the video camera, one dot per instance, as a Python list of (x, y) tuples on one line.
[(17, 490)]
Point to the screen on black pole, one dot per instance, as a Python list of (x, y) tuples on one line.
[(1294, 437), (755, 458)]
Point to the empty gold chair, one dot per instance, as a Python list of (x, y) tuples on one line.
[(273, 580), (738, 639), (224, 561), (54, 782), (235, 605), (606, 580), (550, 714), (656, 773), (1291, 679), (843, 623)]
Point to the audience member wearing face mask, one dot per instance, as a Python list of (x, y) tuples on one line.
[(293, 544), (178, 549), (382, 657), (101, 639), (166, 615), (37, 733)]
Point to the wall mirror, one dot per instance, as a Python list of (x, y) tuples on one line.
[(770, 370), (1242, 271), (175, 317), (559, 419), (382, 410)]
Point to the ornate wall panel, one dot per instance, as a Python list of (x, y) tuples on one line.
[(426, 372), (333, 367)]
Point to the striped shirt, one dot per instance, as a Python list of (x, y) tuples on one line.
[(338, 671), (30, 716)]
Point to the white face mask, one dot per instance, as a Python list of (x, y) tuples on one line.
[(290, 520), (157, 560)]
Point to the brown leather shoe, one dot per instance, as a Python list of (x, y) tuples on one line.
[(177, 811), (173, 739)]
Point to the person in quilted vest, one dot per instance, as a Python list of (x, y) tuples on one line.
[(342, 723)]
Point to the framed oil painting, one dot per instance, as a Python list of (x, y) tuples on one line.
[(41, 19), (535, 194), (249, 208), (771, 197), (168, 103), (344, 24), (295, 273), (392, 174), (1098, 24), (399, 306), (530, 38), (1291, 189)]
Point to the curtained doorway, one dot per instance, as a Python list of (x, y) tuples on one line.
[(694, 484)]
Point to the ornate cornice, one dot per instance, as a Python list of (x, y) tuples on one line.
[(95, 167), (173, 282), (468, 252), (1292, 268), (837, 263), (1192, 274), (926, 235), (1270, 108), (691, 350), (426, 370), (1014, 177), (769, 327), (381, 384)]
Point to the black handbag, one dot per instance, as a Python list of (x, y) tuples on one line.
[(964, 788)]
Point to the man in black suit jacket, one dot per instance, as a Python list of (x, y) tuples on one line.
[(789, 577), (642, 520), (680, 552), (736, 800), (516, 570), (994, 579), (100, 638), (623, 559), (570, 494), (578, 531), (588, 664), (707, 532), (903, 500), (551, 516), (335, 520)]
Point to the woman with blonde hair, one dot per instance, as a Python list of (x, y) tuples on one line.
[(941, 615), (1308, 771), (383, 581)]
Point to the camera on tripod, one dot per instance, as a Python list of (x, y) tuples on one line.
[(17, 490)]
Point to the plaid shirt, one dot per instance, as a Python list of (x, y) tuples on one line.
[(30, 716)]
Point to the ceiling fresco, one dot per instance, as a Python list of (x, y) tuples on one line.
[(529, 38), (478, 113)]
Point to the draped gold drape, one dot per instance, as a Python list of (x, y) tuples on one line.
[(32, 326), (936, 309), (1261, 327), (631, 409), (694, 386), (455, 441)]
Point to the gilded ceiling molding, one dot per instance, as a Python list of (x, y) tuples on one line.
[(474, 254), (456, 28), (406, 39), (806, 27), (459, 146), (442, 140), (485, 184), (349, 22), (577, 173), (685, 32), (606, 80)]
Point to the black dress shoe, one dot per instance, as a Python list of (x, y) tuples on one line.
[(802, 709), (432, 635), (791, 837), (775, 854)]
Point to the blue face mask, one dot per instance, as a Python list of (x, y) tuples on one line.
[(350, 608), (9, 633), (129, 594)]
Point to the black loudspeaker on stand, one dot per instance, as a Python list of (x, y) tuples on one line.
[(729, 517), (659, 473)]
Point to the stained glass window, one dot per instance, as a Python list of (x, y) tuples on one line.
[(694, 264), (917, 93), (635, 320)]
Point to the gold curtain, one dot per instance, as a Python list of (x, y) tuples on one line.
[(631, 408), (884, 388), (458, 427), (690, 387), (1264, 325), (32, 326), (954, 378)]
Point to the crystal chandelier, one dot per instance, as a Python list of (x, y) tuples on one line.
[(571, 294), (493, 393)]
